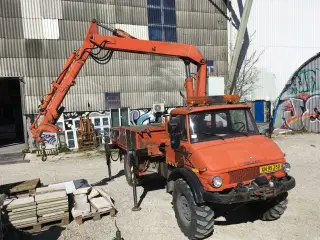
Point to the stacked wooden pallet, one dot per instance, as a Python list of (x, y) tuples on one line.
[(52, 204), (20, 212), (92, 203), (48, 206)]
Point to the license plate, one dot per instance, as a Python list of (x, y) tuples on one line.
[(270, 168)]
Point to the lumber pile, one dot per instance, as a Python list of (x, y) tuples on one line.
[(32, 208), (20, 212), (52, 204), (91, 202), (46, 205)]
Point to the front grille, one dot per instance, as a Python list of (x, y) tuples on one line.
[(242, 175)]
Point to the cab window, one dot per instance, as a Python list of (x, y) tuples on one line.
[(183, 126)]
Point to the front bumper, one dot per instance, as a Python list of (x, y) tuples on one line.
[(259, 193)]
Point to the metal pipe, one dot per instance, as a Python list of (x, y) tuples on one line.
[(105, 27), (188, 70), (133, 159), (238, 45), (108, 155)]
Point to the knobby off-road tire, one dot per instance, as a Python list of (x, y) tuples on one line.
[(274, 209), (196, 222), (127, 171)]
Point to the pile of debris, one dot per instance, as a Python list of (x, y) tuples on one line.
[(91, 202)]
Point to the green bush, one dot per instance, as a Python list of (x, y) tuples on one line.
[(64, 148)]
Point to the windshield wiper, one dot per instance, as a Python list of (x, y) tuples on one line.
[(211, 134), (245, 134)]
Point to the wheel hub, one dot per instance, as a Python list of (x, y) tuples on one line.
[(184, 209)]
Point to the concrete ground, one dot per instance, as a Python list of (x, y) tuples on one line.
[(156, 219), (12, 148)]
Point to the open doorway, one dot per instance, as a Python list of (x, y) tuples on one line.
[(11, 123)]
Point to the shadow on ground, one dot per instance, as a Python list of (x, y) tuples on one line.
[(106, 180), (235, 215), (151, 183), (53, 233)]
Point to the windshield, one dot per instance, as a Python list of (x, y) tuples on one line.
[(220, 124)]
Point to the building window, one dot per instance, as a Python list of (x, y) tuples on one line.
[(112, 100), (211, 68), (162, 20)]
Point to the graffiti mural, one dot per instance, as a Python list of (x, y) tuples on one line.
[(298, 106), (69, 123), (302, 114), (146, 116), (50, 140)]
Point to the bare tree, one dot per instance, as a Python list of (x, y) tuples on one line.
[(246, 81)]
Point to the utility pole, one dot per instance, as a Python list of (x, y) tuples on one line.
[(239, 41)]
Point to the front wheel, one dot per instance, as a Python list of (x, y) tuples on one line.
[(274, 209), (195, 221)]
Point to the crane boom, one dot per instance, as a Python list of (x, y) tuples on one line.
[(51, 108)]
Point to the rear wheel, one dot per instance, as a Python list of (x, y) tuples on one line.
[(274, 209), (128, 173), (195, 221)]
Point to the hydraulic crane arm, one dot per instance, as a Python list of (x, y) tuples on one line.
[(121, 41)]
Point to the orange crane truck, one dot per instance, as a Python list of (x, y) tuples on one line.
[(210, 151)]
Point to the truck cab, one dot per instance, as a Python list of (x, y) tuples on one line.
[(224, 146)]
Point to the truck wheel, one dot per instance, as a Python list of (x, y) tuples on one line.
[(274, 209), (127, 171), (196, 222)]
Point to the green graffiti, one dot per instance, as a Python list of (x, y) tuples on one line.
[(305, 81)]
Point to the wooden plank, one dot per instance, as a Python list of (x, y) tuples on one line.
[(19, 203), (22, 216), (21, 213), (103, 192), (81, 191), (54, 209), (50, 197), (26, 220), (53, 217), (47, 189), (58, 203), (100, 202), (95, 216), (44, 225), (17, 188), (25, 186), (22, 209)]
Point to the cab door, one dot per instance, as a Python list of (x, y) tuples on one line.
[(176, 158)]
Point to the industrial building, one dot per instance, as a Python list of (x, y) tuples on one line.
[(37, 36)]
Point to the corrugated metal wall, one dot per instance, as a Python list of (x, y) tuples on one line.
[(37, 36), (298, 106)]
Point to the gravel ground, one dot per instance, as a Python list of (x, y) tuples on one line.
[(156, 219)]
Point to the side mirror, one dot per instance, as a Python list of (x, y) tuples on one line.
[(270, 129), (174, 132)]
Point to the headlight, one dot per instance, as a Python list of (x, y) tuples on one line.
[(286, 167), (217, 181)]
